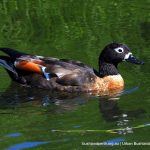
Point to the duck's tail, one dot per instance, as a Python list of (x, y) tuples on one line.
[(12, 53), (7, 63)]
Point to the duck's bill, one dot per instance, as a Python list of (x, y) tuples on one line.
[(130, 58)]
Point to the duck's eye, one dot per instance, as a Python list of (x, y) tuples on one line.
[(119, 50)]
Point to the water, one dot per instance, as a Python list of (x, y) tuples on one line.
[(39, 119)]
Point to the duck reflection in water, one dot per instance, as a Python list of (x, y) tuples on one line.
[(112, 112), (17, 95)]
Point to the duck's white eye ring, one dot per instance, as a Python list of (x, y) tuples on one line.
[(119, 50)]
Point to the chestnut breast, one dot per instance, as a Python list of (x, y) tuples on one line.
[(111, 83)]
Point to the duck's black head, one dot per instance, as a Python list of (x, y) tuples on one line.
[(113, 54)]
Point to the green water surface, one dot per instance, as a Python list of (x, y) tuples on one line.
[(75, 29)]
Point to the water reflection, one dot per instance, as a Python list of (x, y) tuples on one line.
[(17, 95), (13, 134), (112, 112), (54, 102), (25, 145)]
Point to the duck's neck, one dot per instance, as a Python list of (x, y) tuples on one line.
[(106, 69)]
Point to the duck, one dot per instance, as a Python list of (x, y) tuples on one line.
[(69, 75)]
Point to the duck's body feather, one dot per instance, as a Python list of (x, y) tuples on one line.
[(74, 76)]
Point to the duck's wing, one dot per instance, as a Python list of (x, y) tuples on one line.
[(69, 72), (63, 67)]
